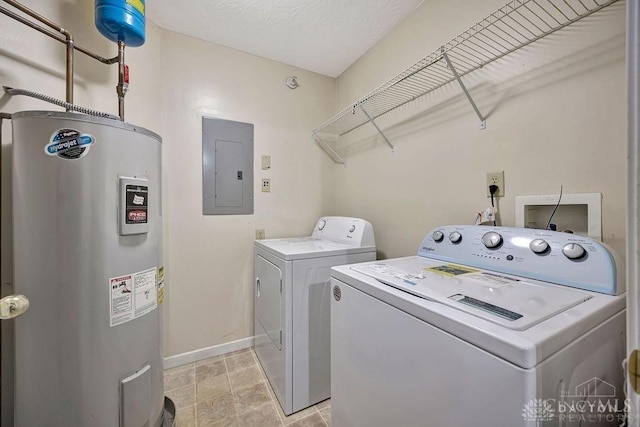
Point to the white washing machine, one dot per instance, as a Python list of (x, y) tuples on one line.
[(292, 303), (487, 326)]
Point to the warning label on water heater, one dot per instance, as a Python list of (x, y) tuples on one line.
[(136, 204), (132, 295)]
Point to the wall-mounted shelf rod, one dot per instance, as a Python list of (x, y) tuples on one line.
[(515, 25)]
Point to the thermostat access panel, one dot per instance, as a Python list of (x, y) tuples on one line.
[(134, 204)]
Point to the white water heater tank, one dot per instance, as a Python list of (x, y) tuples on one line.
[(88, 255)]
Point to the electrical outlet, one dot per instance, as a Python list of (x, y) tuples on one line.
[(266, 185), (260, 234), (495, 178)]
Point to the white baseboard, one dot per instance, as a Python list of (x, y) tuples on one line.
[(205, 353)]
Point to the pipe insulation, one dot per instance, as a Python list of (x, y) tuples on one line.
[(72, 107)]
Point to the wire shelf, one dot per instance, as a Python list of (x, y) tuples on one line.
[(515, 25)]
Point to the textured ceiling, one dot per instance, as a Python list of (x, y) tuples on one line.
[(325, 36)]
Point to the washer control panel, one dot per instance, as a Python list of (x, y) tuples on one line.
[(562, 258)]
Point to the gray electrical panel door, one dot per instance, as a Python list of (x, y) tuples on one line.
[(227, 167)]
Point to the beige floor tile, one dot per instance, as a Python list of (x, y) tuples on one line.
[(212, 387), (250, 398), (179, 379), (237, 352), (186, 417), (179, 368), (221, 409), (210, 369), (245, 377), (183, 397), (232, 390), (260, 367), (227, 422), (324, 404), (243, 360), (296, 415), (314, 420), (209, 360), (261, 416), (326, 415), (271, 392)]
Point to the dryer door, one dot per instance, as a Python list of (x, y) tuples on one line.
[(268, 303)]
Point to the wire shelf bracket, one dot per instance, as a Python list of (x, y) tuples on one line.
[(483, 120), (330, 150), (377, 128), (512, 27)]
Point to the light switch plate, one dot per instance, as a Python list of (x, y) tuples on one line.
[(266, 162)]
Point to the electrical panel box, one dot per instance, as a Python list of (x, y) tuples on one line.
[(227, 167), (579, 213), (134, 205)]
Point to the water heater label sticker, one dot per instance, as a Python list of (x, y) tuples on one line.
[(132, 296), (136, 204), (121, 300), (69, 144), (161, 285), (146, 298)]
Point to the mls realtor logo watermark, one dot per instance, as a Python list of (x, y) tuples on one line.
[(594, 401)]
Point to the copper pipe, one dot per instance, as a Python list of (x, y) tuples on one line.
[(68, 40), (69, 78), (55, 36), (37, 16), (121, 89)]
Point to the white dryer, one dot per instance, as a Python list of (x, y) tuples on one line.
[(487, 326), (292, 306)]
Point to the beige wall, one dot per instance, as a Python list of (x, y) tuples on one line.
[(210, 258), (30, 60), (175, 80), (556, 115)]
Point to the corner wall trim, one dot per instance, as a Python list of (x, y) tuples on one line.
[(204, 353)]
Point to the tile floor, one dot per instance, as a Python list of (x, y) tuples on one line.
[(232, 390)]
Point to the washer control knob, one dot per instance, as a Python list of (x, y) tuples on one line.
[(321, 224), (492, 240), (352, 229), (539, 246), (573, 251), (455, 237), (438, 236)]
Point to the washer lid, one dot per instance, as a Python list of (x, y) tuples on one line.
[(510, 301), (308, 247)]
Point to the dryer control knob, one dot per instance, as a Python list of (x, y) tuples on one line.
[(455, 237), (492, 240), (438, 236), (573, 251), (352, 229), (539, 246), (321, 224)]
